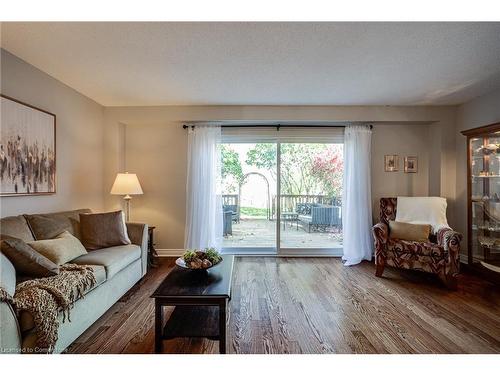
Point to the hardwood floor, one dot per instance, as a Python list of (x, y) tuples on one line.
[(316, 305)]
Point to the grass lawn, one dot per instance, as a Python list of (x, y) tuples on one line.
[(253, 211)]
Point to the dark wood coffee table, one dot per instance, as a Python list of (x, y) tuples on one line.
[(200, 299)]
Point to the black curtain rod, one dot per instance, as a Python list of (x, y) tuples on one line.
[(278, 126)]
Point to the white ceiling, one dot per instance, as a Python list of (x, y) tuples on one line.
[(125, 64)]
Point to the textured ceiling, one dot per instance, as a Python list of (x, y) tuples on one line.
[(121, 64)]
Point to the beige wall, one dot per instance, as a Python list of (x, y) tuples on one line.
[(94, 143), (79, 139), (158, 154), (154, 147), (481, 111), (402, 140)]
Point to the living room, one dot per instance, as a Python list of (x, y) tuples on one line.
[(250, 187)]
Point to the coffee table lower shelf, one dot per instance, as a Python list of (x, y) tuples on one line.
[(193, 318), (193, 321)]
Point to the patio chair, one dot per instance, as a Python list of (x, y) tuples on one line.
[(234, 209), (227, 223), (319, 216)]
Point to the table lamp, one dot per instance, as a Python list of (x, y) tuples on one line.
[(126, 184)]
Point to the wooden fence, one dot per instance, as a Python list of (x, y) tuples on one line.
[(288, 202), (230, 199)]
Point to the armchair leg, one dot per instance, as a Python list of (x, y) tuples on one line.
[(450, 281), (379, 270)]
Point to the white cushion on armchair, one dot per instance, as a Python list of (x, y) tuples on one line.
[(423, 210)]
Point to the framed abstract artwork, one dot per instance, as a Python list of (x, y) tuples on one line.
[(27, 149), (391, 163), (411, 164)]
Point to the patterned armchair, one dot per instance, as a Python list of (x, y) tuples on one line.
[(439, 255)]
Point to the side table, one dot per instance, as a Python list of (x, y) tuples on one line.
[(152, 254)]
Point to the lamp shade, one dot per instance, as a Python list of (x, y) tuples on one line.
[(126, 184)]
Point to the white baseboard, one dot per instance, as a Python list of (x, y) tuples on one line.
[(170, 252), (262, 252)]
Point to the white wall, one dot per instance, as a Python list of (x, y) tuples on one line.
[(79, 139), (154, 147), (484, 110)]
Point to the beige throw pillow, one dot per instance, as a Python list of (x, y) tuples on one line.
[(409, 232), (62, 249), (103, 230), (26, 260)]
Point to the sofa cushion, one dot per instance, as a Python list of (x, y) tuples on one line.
[(114, 259), (305, 218), (26, 260), (103, 230), (100, 275), (70, 220), (16, 226), (26, 322), (46, 228), (62, 249), (415, 248)]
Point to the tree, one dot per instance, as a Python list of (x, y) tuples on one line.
[(328, 167), (296, 163), (232, 172), (305, 168)]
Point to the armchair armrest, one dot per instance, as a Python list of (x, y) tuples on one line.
[(380, 233), (450, 240), (447, 237), (138, 234)]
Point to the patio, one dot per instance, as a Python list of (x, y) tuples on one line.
[(261, 232)]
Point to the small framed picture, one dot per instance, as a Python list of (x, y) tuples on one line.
[(391, 163), (411, 164)]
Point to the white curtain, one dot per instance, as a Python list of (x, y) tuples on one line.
[(356, 196), (204, 200)]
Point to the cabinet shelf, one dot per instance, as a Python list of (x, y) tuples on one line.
[(489, 229), (483, 195)]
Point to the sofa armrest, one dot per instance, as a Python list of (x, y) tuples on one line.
[(138, 234), (10, 334), (450, 241)]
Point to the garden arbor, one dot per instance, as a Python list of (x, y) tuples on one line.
[(268, 199)]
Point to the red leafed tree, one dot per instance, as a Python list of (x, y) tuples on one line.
[(328, 167)]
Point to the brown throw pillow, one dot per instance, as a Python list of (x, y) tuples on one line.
[(62, 249), (26, 260), (409, 232), (103, 230), (44, 228)]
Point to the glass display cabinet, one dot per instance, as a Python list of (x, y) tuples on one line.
[(483, 189)]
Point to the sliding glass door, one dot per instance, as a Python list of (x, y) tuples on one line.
[(310, 196), (248, 185), (282, 195)]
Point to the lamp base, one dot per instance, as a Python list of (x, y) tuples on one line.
[(127, 207)]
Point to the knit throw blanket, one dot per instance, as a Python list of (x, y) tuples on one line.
[(45, 297)]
